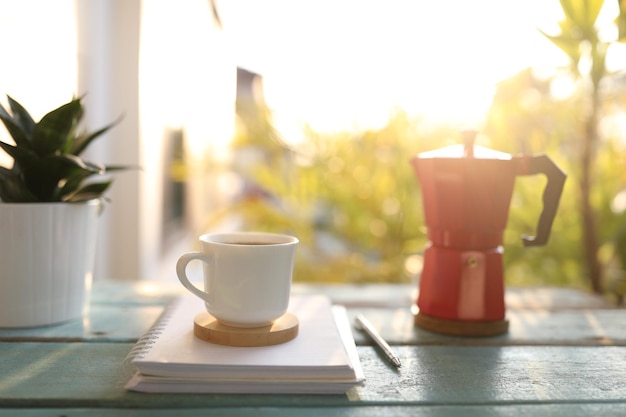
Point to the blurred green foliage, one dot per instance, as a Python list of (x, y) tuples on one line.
[(352, 200), (355, 204), (525, 117)]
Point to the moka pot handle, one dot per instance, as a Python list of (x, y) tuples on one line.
[(542, 164)]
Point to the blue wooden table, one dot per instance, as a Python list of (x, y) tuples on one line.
[(564, 355)]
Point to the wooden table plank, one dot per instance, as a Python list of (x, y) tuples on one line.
[(107, 323), (140, 293), (364, 295), (513, 410), (543, 366), (84, 375), (526, 327), (497, 375), (101, 324), (404, 295), (553, 298)]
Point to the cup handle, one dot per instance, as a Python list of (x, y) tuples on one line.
[(181, 271)]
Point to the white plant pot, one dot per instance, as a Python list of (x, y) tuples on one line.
[(47, 253)]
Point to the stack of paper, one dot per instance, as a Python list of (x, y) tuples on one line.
[(322, 359)]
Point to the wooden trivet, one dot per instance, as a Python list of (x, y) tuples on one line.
[(461, 327), (284, 329)]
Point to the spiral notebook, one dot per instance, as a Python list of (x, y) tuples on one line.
[(322, 359)]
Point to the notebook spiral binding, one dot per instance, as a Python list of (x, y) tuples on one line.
[(144, 343)]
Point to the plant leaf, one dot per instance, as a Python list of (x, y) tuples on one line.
[(12, 189), (567, 44), (83, 140), (74, 180), (46, 165), (23, 157), (583, 13), (109, 168), (620, 21), (90, 191), (70, 187), (54, 130), (21, 117), (598, 68), (19, 136), (52, 173)]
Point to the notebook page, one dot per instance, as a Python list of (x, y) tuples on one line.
[(317, 351), (156, 384)]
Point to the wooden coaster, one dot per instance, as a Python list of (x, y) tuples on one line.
[(284, 329), (461, 327)]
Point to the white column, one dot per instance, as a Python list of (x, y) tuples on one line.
[(108, 68)]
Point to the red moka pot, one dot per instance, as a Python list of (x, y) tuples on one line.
[(466, 192)]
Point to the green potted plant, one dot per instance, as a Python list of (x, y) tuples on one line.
[(50, 199)]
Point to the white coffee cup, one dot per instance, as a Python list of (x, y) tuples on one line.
[(247, 276)]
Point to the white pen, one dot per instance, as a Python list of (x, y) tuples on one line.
[(364, 324)]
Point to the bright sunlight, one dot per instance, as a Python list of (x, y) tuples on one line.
[(348, 64)]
